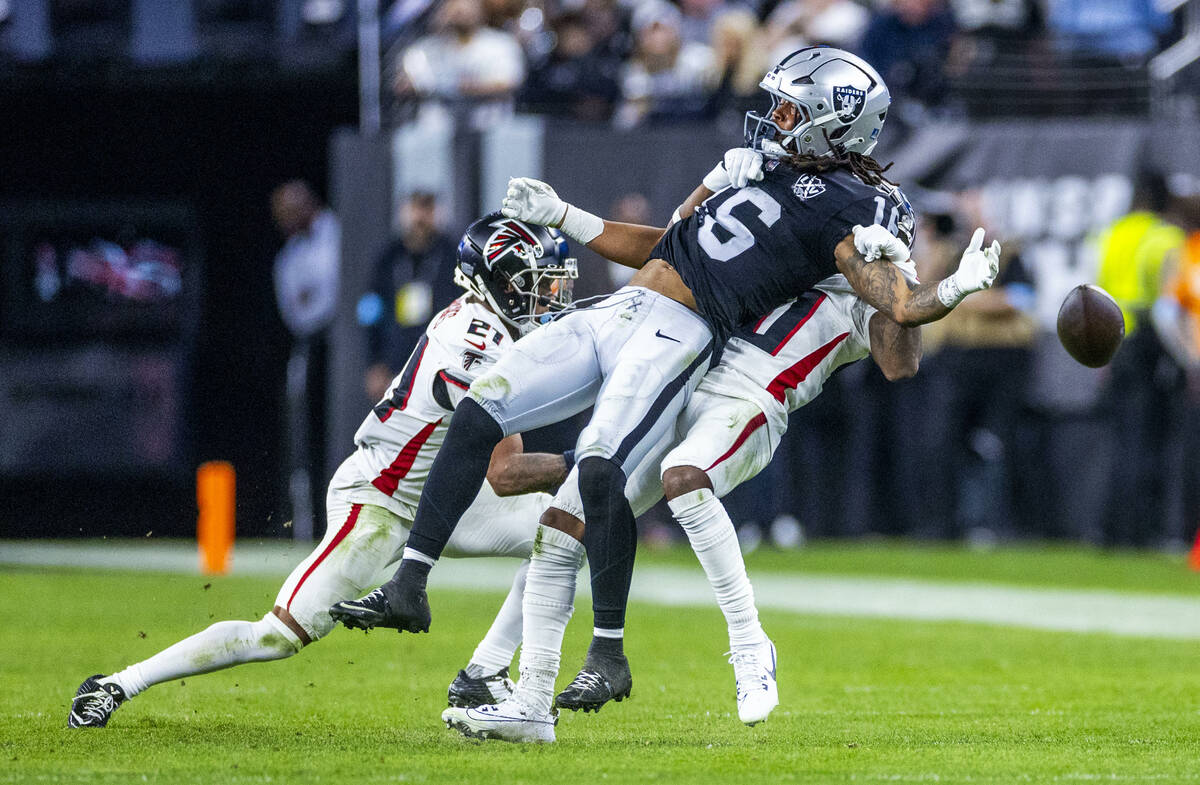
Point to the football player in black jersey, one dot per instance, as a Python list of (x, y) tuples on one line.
[(744, 252), (783, 217)]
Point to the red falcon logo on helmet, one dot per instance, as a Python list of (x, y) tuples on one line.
[(512, 237)]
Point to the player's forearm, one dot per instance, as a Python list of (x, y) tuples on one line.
[(626, 244), (896, 349), (527, 473), (694, 200), (881, 284)]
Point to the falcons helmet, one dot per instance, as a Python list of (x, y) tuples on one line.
[(520, 269)]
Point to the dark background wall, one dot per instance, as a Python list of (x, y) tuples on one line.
[(219, 145)]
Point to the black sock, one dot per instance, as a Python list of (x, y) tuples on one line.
[(610, 539), (611, 648), (410, 573), (455, 478)]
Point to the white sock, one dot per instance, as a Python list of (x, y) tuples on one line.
[(715, 542), (223, 644), (549, 603), (497, 648)]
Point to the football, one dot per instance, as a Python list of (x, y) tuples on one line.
[(1090, 325)]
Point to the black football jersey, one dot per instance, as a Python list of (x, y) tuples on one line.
[(746, 251)]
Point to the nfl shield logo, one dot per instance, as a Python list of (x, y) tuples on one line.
[(808, 186), (849, 102)]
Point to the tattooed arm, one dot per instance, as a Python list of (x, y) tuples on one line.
[(882, 284), (513, 472), (895, 349)]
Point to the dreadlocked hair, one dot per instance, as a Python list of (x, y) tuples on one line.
[(864, 167)]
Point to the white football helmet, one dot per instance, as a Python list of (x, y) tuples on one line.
[(842, 101)]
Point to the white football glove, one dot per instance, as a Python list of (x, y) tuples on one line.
[(741, 165), (536, 202), (977, 270), (875, 242)]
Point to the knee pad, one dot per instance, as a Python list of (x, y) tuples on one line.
[(601, 480), (276, 639)]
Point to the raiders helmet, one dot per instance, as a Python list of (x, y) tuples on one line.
[(516, 267), (842, 101)]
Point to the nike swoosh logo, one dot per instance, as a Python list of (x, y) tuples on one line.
[(481, 346), (658, 334)]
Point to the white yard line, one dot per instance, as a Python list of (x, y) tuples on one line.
[(1068, 610)]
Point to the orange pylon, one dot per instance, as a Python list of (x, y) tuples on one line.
[(216, 498)]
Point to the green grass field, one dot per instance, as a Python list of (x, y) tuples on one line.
[(862, 700)]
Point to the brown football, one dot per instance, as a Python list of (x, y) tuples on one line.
[(1090, 325)]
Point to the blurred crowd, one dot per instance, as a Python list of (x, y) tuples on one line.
[(635, 62)]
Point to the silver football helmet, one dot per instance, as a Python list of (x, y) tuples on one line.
[(842, 101)]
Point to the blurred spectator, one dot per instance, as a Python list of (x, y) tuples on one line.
[(306, 268), (996, 18), (908, 44), (667, 79), (798, 23), (1176, 317), (740, 61), (503, 14), (962, 473), (1143, 378), (610, 22), (306, 288), (413, 278), (1122, 29), (463, 67), (698, 18), (632, 208), (579, 79)]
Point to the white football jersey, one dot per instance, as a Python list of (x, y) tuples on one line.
[(782, 361), (398, 440)]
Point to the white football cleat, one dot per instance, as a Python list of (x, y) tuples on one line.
[(508, 721), (754, 670)]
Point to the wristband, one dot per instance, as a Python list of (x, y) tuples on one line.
[(949, 292), (580, 225), (569, 457)]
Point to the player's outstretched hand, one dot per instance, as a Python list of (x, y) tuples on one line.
[(979, 266), (739, 167), (875, 242), (977, 270), (534, 201)]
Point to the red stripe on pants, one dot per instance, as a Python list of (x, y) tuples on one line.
[(389, 479), (799, 324), (351, 519), (758, 421), (789, 379)]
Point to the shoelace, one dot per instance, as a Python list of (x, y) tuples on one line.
[(98, 705), (587, 680), (377, 594), (747, 672)]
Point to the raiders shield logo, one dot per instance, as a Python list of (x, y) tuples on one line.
[(808, 186), (849, 102)]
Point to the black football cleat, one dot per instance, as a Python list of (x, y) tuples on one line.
[(600, 680), (402, 607), (94, 703), (468, 693)]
